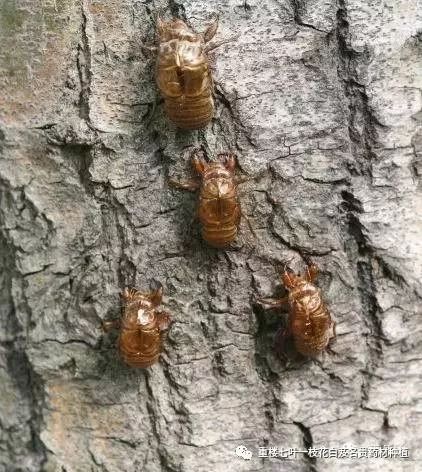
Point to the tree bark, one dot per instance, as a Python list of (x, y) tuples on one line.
[(321, 102)]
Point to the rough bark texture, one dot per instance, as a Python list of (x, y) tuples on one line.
[(321, 101)]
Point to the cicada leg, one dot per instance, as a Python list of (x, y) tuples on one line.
[(311, 273), (211, 46), (164, 320), (109, 325), (242, 180), (190, 185), (129, 295), (273, 302), (156, 295), (211, 29), (228, 159)]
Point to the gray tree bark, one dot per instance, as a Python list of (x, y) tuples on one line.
[(321, 101)]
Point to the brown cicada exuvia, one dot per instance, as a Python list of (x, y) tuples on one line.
[(310, 323), (219, 209), (183, 72), (142, 326)]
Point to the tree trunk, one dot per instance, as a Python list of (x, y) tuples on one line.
[(321, 102)]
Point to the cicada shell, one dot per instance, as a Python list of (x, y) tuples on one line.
[(142, 326), (219, 209), (219, 206), (183, 73), (309, 322)]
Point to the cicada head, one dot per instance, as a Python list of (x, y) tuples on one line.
[(175, 29), (228, 160), (145, 315), (139, 308)]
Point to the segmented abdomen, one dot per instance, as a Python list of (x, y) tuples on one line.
[(219, 236), (190, 112), (310, 323), (139, 348), (220, 219)]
